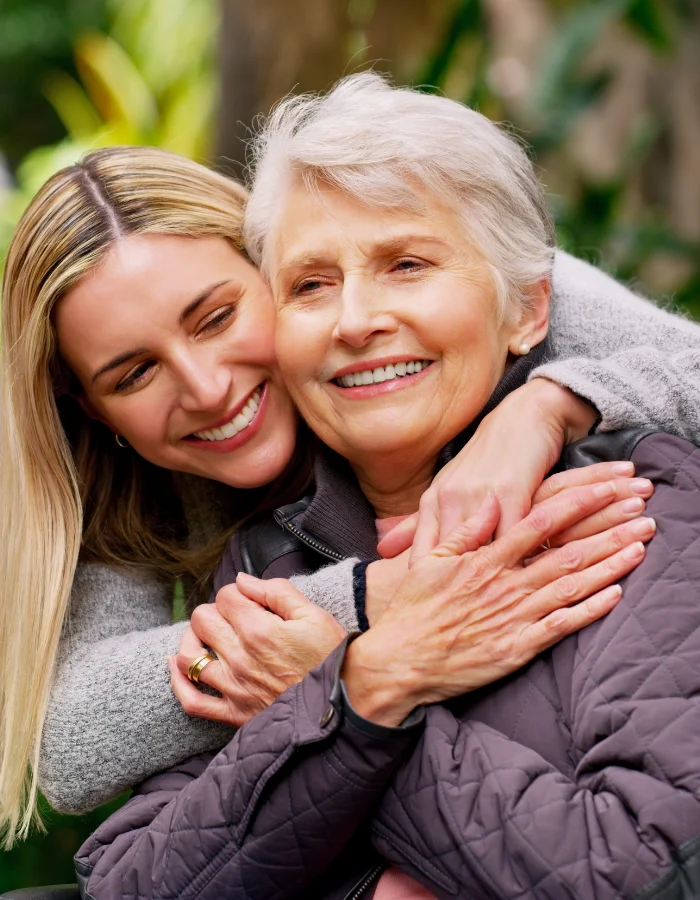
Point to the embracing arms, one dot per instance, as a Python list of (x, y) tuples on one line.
[(619, 814)]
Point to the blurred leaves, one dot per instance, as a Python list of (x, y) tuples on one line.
[(592, 216), (148, 79)]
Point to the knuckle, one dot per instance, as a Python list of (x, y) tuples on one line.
[(567, 588), (540, 521), (555, 624), (569, 557), (504, 649)]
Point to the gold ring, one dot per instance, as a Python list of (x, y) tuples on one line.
[(195, 669)]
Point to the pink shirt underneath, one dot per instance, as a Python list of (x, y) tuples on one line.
[(395, 884)]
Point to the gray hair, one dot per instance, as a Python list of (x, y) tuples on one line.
[(379, 143)]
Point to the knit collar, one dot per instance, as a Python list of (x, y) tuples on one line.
[(339, 513)]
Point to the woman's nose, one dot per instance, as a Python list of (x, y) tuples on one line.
[(361, 316), (205, 387)]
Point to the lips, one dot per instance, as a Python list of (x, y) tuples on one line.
[(380, 374), (237, 423)]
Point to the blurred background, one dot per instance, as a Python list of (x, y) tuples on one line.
[(605, 92)]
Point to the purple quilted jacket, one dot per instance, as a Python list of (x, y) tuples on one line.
[(577, 777)]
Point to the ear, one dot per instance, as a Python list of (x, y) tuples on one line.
[(534, 322), (90, 411)]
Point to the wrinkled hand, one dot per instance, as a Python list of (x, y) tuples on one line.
[(626, 504), (469, 613), (267, 636), (509, 455)]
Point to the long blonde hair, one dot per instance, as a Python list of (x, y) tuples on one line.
[(65, 488)]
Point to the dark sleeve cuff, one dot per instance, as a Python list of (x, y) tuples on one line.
[(411, 723), (359, 588)]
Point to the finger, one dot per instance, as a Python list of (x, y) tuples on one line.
[(570, 589), (212, 629), (277, 595), (577, 556), (190, 645), (192, 700), (547, 518), (610, 517), (427, 532), (473, 533), (560, 481), (399, 538), (563, 622)]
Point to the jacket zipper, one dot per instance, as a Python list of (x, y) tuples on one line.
[(323, 549), (366, 882)]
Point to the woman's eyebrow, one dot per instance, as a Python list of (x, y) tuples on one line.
[(186, 312), (200, 298)]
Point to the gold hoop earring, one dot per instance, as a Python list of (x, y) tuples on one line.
[(118, 438)]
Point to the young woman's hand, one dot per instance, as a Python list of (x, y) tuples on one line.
[(513, 449), (469, 613), (267, 636)]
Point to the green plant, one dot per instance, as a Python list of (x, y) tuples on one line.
[(592, 217)]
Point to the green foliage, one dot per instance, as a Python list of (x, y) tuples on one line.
[(48, 858), (591, 217), (148, 80), (36, 38)]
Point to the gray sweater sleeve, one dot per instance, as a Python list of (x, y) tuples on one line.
[(636, 363), (113, 719)]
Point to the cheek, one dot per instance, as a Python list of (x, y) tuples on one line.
[(143, 421)]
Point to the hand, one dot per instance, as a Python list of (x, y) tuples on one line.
[(384, 576), (545, 417), (267, 637), (467, 614)]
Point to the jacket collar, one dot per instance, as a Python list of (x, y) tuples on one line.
[(340, 515)]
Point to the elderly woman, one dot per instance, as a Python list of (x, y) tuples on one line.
[(405, 278)]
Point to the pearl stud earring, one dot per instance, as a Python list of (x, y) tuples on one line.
[(524, 348)]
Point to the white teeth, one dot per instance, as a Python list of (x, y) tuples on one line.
[(383, 373), (238, 423)]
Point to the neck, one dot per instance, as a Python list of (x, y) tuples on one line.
[(392, 487)]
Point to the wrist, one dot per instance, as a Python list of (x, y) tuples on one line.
[(379, 685), (570, 414)]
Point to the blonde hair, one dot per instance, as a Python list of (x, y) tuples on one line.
[(66, 488)]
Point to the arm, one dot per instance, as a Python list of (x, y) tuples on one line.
[(636, 363), (112, 718), (625, 813), (268, 814)]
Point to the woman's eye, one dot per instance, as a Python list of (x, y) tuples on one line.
[(307, 287), (134, 377), (217, 320), (407, 265)]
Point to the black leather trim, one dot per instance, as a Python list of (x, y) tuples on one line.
[(55, 892), (682, 881), (606, 446), (82, 873), (264, 541)]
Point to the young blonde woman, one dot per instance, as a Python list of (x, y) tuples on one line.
[(111, 491)]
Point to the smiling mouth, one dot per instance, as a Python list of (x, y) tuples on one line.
[(238, 423), (382, 373)]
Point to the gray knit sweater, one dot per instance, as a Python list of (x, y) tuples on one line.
[(113, 720)]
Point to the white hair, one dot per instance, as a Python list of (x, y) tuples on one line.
[(380, 144)]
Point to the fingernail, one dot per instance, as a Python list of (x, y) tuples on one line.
[(633, 505), (641, 486), (644, 526), (623, 468), (244, 576), (634, 551), (604, 490)]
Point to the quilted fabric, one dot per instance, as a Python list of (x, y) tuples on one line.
[(578, 777)]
